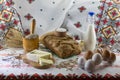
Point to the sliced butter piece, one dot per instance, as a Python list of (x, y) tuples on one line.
[(39, 51), (32, 57), (43, 61), (36, 54), (42, 54)]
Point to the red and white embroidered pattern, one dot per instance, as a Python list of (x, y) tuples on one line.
[(30, 1), (108, 31), (28, 16), (109, 22), (114, 13), (2, 26), (82, 8), (6, 15), (78, 25)]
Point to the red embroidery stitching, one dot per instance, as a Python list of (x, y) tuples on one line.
[(28, 16)]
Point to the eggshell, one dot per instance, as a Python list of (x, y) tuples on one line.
[(106, 55), (88, 55), (81, 62), (112, 58), (90, 66), (97, 58), (99, 50)]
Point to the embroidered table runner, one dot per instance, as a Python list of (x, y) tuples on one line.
[(9, 64)]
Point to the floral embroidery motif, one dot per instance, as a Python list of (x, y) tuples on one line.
[(101, 8), (108, 24), (113, 13), (110, 4), (108, 31), (77, 24), (9, 3), (28, 16), (6, 15), (104, 21), (100, 39), (30, 1), (2, 26), (112, 41), (81, 9), (15, 22), (117, 23)]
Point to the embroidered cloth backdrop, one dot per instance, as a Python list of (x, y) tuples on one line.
[(72, 14), (50, 14)]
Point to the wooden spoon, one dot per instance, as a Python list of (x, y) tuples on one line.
[(32, 27)]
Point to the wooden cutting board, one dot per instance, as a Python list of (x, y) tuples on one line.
[(35, 64)]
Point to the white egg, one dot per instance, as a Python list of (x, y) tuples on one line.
[(90, 66), (97, 58), (81, 62)]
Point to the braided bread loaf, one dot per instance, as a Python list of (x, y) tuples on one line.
[(64, 46)]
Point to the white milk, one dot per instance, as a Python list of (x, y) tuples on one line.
[(90, 35)]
